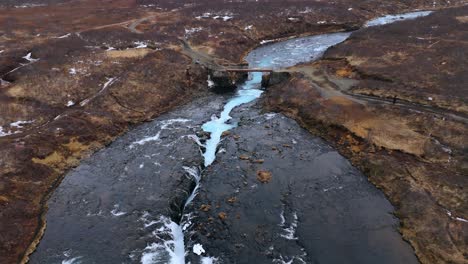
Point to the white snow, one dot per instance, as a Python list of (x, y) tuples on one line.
[(64, 36), (190, 31), (19, 124), (456, 218), (430, 98), (266, 41), (210, 82), (5, 133), (140, 45), (29, 58), (72, 71), (70, 103), (198, 249), (29, 5), (249, 27), (223, 16)]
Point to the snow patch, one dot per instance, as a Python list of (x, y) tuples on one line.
[(140, 44), (456, 218), (64, 36), (29, 57), (267, 41), (198, 249), (29, 5), (210, 82), (191, 31), (19, 124)]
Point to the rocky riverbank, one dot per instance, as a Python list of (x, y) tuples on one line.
[(404, 128)]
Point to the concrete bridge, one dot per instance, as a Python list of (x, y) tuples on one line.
[(247, 70)]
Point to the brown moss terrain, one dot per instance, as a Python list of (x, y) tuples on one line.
[(98, 67), (415, 152), (429, 70)]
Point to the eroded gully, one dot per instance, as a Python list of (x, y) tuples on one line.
[(267, 193)]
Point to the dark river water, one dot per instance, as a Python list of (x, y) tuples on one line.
[(269, 192)]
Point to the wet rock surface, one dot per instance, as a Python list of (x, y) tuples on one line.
[(107, 209), (276, 194), (412, 150)]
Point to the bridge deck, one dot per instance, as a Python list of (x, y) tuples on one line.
[(248, 70)]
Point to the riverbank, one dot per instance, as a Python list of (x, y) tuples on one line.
[(367, 106)]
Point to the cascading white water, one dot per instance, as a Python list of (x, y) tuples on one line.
[(274, 56), (247, 93)]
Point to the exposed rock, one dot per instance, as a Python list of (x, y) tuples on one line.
[(264, 176), (222, 216), (244, 157)]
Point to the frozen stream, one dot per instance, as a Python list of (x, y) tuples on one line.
[(147, 199)]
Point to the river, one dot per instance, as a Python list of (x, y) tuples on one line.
[(269, 192)]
